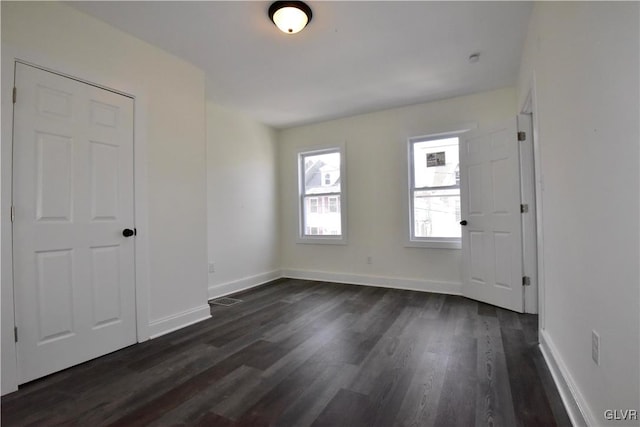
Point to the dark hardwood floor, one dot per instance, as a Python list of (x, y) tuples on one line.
[(299, 353)]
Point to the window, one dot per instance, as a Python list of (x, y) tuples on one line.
[(321, 183), (434, 191), (333, 204), (313, 205)]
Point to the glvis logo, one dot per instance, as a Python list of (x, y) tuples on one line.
[(621, 414)]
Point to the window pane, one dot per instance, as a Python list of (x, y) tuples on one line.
[(322, 222), (333, 204), (313, 204), (436, 163), (436, 213), (321, 173)]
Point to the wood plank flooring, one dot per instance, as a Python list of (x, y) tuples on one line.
[(301, 353)]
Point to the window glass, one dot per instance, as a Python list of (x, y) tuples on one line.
[(321, 188), (317, 166), (435, 189), (436, 213), (435, 162)]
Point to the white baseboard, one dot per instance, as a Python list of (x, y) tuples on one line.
[(577, 407), (450, 288), (178, 321), (217, 291)]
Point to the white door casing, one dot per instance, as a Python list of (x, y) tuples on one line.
[(73, 196), (490, 204), (529, 224)]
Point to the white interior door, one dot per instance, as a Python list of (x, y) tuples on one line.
[(490, 205), (73, 196)]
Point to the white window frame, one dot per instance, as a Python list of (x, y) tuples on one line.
[(327, 239), (426, 242)]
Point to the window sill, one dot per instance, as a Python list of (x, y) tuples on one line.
[(434, 244), (321, 240)]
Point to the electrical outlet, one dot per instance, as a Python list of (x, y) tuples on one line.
[(595, 347), (369, 260), (212, 267)]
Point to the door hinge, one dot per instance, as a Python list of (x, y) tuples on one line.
[(524, 208), (526, 281), (15, 94), (522, 136), (15, 333), (13, 213)]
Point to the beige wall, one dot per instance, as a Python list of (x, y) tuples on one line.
[(376, 151), (585, 59), (242, 201), (170, 124)]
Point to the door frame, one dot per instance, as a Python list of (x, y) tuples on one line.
[(528, 219), (529, 107), (11, 55)]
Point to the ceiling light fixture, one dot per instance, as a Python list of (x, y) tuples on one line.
[(290, 16)]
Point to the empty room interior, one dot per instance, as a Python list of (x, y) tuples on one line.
[(329, 213)]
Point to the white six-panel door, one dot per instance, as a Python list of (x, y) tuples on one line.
[(490, 204), (73, 196)]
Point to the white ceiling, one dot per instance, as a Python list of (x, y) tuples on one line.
[(354, 57)]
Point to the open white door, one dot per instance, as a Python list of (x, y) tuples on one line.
[(73, 196), (490, 206)]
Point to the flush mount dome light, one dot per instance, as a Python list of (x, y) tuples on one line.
[(290, 16)]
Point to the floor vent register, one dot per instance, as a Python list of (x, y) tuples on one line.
[(226, 302)]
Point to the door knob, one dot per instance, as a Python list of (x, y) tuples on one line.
[(463, 222), (127, 232)]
